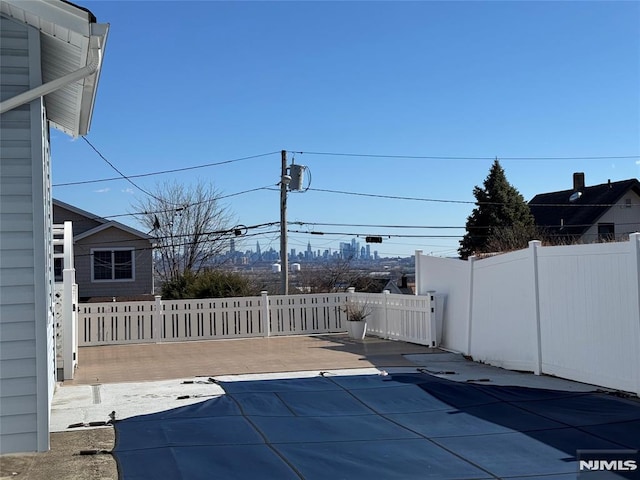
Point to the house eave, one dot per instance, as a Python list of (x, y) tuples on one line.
[(70, 40), (112, 224), (79, 211)]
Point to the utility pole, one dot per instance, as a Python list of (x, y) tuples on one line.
[(284, 264)]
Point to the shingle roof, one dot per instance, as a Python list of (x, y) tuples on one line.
[(557, 214)]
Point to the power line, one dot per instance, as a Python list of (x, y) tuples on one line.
[(390, 197), (379, 235), (222, 233), (432, 157), (180, 206), (162, 172), (395, 235), (373, 225), (175, 209), (172, 245), (116, 169), (436, 227), (342, 192), (468, 202), (424, 157), (208, 200)]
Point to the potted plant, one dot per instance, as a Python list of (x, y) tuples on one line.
[(357, 314)]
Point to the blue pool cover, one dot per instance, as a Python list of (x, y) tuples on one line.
[(405, 427)]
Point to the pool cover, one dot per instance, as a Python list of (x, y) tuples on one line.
[(404, 426)]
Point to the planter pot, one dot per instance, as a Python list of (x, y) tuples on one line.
[(356, 330)]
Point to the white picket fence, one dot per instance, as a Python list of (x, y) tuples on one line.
[(399, 317)]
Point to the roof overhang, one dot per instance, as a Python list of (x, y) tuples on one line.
[(70, 40), (104, 223), (112, 224)]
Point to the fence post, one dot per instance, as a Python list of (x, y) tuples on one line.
[(634, 243), (350, 292), (157, 318), (533, 250), (386, 313), (471, 260), (69, 317), (418, 270), (266, 313), (433, 332), (69, 335)]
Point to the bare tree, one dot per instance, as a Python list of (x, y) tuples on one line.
[(333, 276), (189, 224)]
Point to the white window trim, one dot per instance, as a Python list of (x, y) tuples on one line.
[(114, 280)]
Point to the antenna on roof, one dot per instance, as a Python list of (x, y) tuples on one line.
[(575, 196)]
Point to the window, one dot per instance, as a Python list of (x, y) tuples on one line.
[(606, 232), (112, 265)]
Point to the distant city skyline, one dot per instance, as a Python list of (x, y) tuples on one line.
[(352, 250)]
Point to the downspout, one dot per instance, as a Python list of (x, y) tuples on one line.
[(26, 97)]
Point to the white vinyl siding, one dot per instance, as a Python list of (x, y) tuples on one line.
[(624, 216), (27, 374)]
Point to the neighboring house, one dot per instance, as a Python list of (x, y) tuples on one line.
[(50, 57), (111, 259), (407, 285), (598, 213)]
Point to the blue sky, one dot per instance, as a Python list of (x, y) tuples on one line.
[(191, 83)]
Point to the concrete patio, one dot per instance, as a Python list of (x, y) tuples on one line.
[(163, 361)]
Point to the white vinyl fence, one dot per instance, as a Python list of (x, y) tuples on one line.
[(570, 311), (398, 317), (415, 319), (65, 302)]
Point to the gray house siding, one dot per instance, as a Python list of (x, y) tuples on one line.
[(80, 222), (113, 238), (27, 380)]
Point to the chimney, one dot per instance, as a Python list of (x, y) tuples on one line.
[(578, 181), (403, 281)]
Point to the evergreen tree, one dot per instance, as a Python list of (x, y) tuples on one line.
[(501, 220)]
